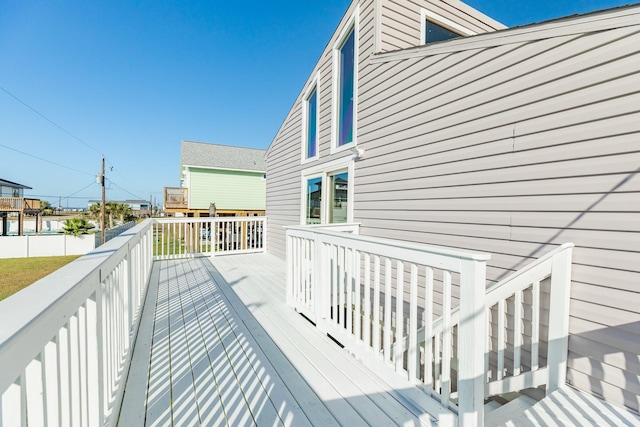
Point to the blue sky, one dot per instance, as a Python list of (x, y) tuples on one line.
[(131, 79)]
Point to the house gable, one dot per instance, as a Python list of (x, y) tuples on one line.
[(231, 177), (510, 142)]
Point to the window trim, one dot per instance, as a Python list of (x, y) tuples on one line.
[(352, 25), (313, 86), (303, 211), (427, 15), (323, 171)]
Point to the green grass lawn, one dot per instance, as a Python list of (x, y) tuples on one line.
[(18, 273)]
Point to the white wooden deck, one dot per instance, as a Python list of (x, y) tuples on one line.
[(218, 346)]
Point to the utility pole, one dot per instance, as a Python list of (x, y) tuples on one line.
[(102, 206)]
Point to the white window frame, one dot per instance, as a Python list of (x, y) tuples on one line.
[(352, 25), (303, 211), (427, 15), (323, 171), (314, 86)]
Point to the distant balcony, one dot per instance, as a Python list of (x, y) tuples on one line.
[(176, 198), (19, 204)]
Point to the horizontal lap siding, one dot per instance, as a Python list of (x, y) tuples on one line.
[(234, 190), (400, 28), (514, 150)]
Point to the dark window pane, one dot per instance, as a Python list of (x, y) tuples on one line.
[(346, 94), (436, 33), (339, 197), (314, 200), (312, 123)]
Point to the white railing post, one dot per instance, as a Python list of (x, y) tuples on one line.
[(289, 295), (559, 319), (214, 236), (471, 343), (127, 309), (264, 228), (320, 289)]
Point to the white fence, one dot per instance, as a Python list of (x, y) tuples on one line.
[(48, 225), (422, 312), (65, 341), (45, 245)]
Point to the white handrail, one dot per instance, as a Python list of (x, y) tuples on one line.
[(363, 291), (65, 340), (555, 265)]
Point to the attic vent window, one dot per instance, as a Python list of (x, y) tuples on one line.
[(437, 28), (437, 33)]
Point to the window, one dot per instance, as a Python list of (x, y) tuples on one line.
[(311, 124), (436, 33), (345, 87), (339, 197), (436, 28), (314, 201), (346, 90), (327, 193)]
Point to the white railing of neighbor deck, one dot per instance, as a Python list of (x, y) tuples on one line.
[(65, 341), (376, 298), (180, 237)]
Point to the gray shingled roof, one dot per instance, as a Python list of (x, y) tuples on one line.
[(201, 154)]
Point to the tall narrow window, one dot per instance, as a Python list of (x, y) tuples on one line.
[(339, 197), (346, 90), (311, 134), (314, 200)]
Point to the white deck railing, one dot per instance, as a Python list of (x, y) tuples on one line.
[(512, 365), (370, 293), (537, 295), (377, 296), (65, 341), (180, 237)]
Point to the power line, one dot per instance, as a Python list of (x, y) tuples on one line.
[(44, 160), (68, 133), (49, 120), (126, 191), (73, 194), (117, 171)]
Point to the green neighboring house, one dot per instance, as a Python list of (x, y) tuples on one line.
[(231, 178)]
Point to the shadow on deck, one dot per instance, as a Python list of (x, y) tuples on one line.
[(218, 346)]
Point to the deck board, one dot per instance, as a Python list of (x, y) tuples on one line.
[(571, 407), (224, 349)]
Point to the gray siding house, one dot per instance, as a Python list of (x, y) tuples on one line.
[(507, 141)]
